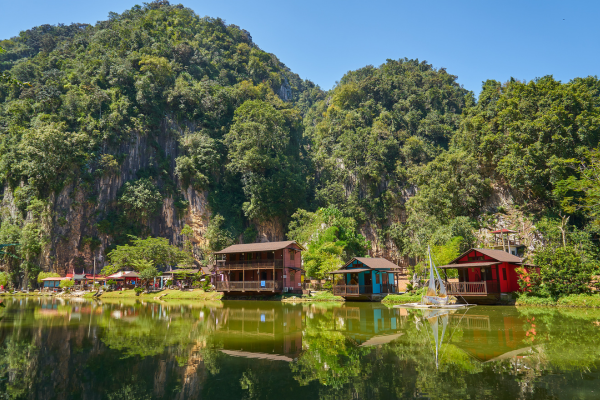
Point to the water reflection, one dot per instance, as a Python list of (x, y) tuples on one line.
[(57, 348)]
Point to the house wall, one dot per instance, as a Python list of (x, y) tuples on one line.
[(292, 279)]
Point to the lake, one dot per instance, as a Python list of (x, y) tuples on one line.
[(76, 349)]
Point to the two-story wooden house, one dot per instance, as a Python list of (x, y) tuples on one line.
[(256, 268)]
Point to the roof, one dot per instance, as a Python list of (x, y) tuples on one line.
[(55, 278), (471, 265), (350, 271), (182, 271), (124, 274), (504, 230), (497, 255), (373, 263), (256, 247)]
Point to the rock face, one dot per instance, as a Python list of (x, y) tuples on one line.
[(74, 217), (285, 91)]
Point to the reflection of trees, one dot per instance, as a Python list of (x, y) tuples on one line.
[(17, 367)]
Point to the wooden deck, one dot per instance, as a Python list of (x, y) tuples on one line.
[(249, 286), (359, 290), (484, 288)]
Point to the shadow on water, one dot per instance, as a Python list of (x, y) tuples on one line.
[(129, 349)]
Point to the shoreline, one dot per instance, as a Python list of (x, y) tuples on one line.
[(591, 301)]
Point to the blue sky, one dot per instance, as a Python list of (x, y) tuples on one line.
[(322, 40)]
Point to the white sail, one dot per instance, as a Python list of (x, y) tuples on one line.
[(431, 290), (442, 290)]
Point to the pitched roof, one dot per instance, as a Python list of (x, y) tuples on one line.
[(250, 247), (372, 263), (503, 230), (471, 264), (497, 255), (125, 274)]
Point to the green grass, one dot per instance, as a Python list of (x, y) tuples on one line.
[(163, 295), (575, 300), (402, 298)]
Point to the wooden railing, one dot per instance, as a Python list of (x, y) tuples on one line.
[(467, 288), (273, 264), (248, 285), (346, 290), (355, 290)]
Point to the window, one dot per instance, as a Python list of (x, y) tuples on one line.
[(377, 279), (292, 254), (249, 256), (504, 273)]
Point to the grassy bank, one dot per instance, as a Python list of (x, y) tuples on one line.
[(196, 294), (577, 300), (402, 298)]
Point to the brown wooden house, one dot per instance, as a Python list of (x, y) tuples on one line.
[(484, 275), (259, 268)]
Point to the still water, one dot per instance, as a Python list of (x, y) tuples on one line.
[(67, 349)]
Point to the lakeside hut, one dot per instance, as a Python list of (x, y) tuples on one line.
[(259, 268), (364, 278), (484, 275)]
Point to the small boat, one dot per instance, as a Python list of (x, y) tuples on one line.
[(436, 296)]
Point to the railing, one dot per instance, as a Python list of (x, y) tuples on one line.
[(355, 290), (277, 264), (346, 290), (467, 288), (248, 285)]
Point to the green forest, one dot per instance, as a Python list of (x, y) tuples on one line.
[(114, 131)]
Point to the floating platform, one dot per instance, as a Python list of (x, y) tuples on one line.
[(435, 307)]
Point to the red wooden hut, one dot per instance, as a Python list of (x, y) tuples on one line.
[(484, 275)]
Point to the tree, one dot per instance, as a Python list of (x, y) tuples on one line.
[(140, 199), (157, 251), (564, 271), (331, 240), (146, 270), (582, 193), (66, 284), (258, 144)]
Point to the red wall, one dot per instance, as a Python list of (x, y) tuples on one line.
[(510, 284)]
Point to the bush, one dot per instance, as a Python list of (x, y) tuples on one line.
[(169, 282), (138, 290), (564, 271), (67, 284), (207, 286)]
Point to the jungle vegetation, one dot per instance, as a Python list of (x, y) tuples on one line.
[(401, 150)]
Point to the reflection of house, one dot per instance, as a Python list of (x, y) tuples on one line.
[(366, 279), (368, 324), (257, 268), (484, 274), (264, 333), (490, 340)]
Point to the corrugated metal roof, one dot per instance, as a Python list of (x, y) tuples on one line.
[(497, 255), (471, 265), (256, 247), (125, 274), (350, 271)]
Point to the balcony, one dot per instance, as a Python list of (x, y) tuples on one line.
[(357, 290), (249, 265), (472, 288), (250, 286)]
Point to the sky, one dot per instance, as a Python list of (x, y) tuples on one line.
[(322, 40)]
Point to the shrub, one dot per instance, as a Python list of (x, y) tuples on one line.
[(67, 284), (138, 290), (564, 271)]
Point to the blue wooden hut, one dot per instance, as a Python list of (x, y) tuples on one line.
[(366, 278)]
